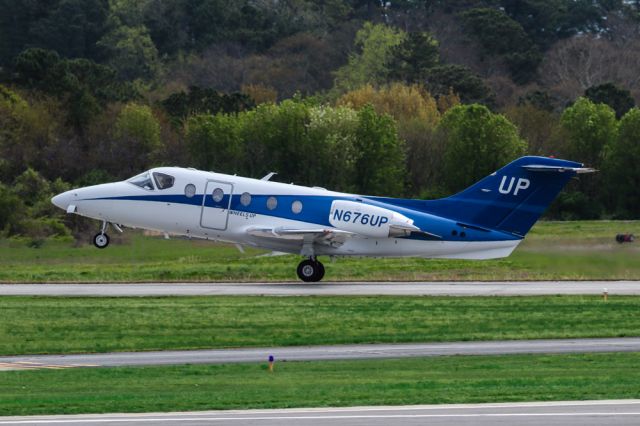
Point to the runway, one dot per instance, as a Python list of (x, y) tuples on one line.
[(569, 413), (478, 288), (323, 353)]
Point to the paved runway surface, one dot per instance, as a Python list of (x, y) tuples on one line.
[(312, 353), (583, 413), (326, 288)]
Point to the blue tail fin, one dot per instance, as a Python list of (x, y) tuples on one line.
[(511, 199)]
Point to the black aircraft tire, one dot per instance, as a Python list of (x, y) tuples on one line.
[(101, 240), (309, 271)]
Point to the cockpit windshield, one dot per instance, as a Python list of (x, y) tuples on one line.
[(163, 181), (143, 180)]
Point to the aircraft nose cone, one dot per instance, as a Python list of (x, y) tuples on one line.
[(61, 200)]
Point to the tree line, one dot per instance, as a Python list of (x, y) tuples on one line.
[(403, 98)]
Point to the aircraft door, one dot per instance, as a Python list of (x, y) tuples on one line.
[(215, 205)]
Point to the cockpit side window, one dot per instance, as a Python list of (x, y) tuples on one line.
[(163, 181), (143, 180)]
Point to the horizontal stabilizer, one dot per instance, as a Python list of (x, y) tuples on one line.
[(558, 169)]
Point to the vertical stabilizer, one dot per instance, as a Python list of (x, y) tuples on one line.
[(512, 198)]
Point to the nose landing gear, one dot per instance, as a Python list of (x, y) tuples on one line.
[(101, 239), (310, 270)]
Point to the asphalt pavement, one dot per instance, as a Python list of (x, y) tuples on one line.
[(322, 353), (476, 288), (569, 413)]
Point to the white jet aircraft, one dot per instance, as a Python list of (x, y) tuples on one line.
[(485, 221)]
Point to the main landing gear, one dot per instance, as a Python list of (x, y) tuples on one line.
[(311, 270)]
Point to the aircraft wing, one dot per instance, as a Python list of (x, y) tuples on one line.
[(328, 236)]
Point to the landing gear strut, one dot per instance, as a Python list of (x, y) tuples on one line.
[(101, 239), (310, 270)]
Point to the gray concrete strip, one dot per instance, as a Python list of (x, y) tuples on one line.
[(477, 288), (334, 352), (583, 413)]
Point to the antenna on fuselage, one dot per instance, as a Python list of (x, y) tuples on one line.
[(269, 176)]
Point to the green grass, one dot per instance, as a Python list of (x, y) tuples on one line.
[(461, 379), (553, 250), (65, 325)]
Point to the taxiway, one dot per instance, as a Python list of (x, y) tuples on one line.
[(478, 288), (323, 353), (568, 413)]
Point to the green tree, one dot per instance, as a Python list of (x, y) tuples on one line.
[(131, 52), (376, 43), (131, 13), (26, 209), (539, 127), (28, 135), (589, 127), (500, 35), (136, 136), (302, 143), (215, 142), (40, 69), (199, 100), (379, 155), (538, 99), (70, 27), (413, 57), (442, 79), (496, 32), (276, 139), (620, 100), (82, 85), (403, 102), (620, 169), (32, 187), (169, 25), (332, 132), (543, 20), (137, 123), (12, 211), (188, 24), (417, 116), (478, 142), (15, 20)]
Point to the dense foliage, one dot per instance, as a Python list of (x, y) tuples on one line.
[(365, 96)]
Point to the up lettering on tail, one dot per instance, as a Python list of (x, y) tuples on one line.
[(520, 184)]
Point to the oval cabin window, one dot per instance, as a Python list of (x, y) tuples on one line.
[(296, 206), (272, 203), (217, 195), (245, 199)]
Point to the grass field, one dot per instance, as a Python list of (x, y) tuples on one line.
[(64, 325), (311, 384), (553, 250)]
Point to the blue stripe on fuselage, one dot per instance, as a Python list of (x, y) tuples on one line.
[(316, 210)]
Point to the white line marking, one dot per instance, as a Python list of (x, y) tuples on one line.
[(438, 407), (319, 417)]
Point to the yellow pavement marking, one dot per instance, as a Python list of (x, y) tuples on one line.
[(27, 365)]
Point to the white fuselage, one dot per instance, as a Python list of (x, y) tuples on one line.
[(225, 208)]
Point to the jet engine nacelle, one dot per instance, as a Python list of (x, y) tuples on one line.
[(369, 220)]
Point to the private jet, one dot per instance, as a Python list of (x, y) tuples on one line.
[(485, 221)]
